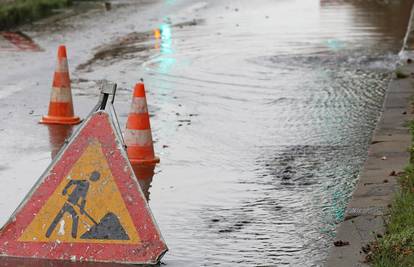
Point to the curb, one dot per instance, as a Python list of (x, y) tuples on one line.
[(366, 213)]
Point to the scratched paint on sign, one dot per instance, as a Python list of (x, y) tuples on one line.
[(86, 207)]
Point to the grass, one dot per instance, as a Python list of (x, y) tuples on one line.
[(400, 74), (396, 247), (22, 11)]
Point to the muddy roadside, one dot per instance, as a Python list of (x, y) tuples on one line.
[(367, 213)]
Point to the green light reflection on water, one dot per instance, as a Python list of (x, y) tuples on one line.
[(166, 61)]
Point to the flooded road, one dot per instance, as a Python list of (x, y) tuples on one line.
[(262, 113)]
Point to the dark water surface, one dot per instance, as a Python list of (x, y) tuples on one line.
[(287, 94), (262, 113)]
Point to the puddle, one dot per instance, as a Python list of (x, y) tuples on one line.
[(135, 45)]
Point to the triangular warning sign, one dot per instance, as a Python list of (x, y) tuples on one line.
[(72, 212), (87, 206)]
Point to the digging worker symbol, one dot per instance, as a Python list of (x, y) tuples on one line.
[(109, 227), (78, 195)]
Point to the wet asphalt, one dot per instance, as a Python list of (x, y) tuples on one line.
[(261, 114)]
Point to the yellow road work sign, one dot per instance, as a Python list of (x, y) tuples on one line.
[(87, 207)]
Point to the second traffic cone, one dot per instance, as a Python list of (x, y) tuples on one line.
[(61, 105), (138, 136)]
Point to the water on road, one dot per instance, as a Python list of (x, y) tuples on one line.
[(261, 112)]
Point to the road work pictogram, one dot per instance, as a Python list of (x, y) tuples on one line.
[(109, 227), (87, 193), (78, 194)]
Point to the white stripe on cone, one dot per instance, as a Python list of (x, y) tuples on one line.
[(61, 94), (139, 105), (62, 65), (138, 137)]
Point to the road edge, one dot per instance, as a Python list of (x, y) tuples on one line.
[(388, 153)]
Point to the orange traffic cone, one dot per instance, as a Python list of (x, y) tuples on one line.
[(138, 136), (61, 106)]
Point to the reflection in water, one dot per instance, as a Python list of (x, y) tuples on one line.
[(167, 59), (157, 34), (157, 37), (144, 174), (57, 136)]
